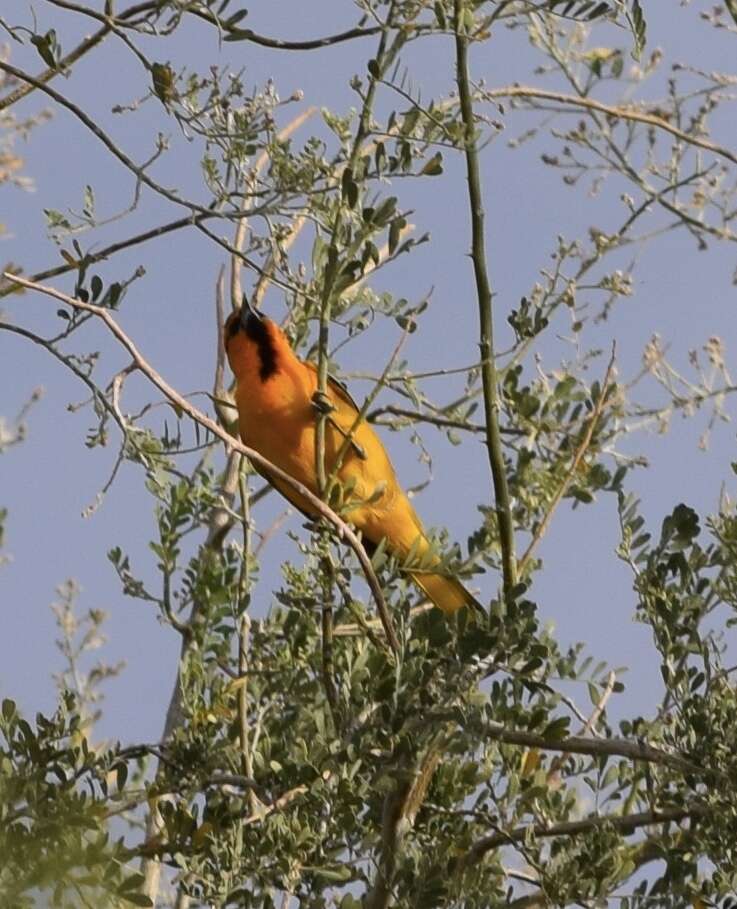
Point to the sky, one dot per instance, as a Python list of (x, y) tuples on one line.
[(46, 483)]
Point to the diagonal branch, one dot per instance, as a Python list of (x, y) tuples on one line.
[(571, 472), (139, 171), (79, 51), (235, 34), (111, 146), (90, 258), (624, 824), (619, 113)]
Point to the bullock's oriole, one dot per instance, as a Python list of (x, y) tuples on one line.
[(277, 417)]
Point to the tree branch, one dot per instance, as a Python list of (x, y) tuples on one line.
[(624, 824), (414, 416), (571, 472), (380, 61), (91, 258), (137, 170), (576, 744), (79, 51), (620, 113), (486, 326)]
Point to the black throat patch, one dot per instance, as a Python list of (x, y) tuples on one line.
[(257, 331)]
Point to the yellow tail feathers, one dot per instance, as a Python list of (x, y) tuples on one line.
[(448, 594)]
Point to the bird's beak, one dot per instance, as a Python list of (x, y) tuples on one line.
[(247, 312)]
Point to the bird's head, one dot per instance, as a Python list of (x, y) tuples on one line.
[(253, 343)]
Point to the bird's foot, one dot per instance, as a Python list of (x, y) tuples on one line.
[(322, 403)]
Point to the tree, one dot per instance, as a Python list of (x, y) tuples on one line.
[(349, 746)]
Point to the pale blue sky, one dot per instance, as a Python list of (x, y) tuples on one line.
[(683, 294)]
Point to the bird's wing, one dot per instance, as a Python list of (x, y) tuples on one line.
[(341, 390)]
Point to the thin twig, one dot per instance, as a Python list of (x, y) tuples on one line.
[(244, 634), (350, 629), (571, 472), (236, 291), (96, 392), (620, 113), (219, 525), (381, 60), (153, 6), (587, 729), (415, 416), (79, 51), (111, 146), (327, 625), (91, 258), (348, 436), (219, 390)]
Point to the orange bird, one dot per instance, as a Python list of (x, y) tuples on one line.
[(277, 417)]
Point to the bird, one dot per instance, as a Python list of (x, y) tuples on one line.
[(278, 409)]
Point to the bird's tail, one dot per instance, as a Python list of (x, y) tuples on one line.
[(447, 593)]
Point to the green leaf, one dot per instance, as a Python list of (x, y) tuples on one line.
[(233, 20), (55, 218), (238, 34), (385, 211), (380, 157), (89, 202), (434, 166), (349, 188), (47, 48), (113, 295), (440, 15), (638, 26), (334, 875), (162, 77), (558, 729), (350, 902), (680, 528), (133, 882), (395, 231), (136, 899), (96, 286)]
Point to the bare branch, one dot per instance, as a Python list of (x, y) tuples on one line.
[(111, 146), (620, 113)]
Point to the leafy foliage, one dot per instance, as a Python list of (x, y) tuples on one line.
[(302, 760)]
